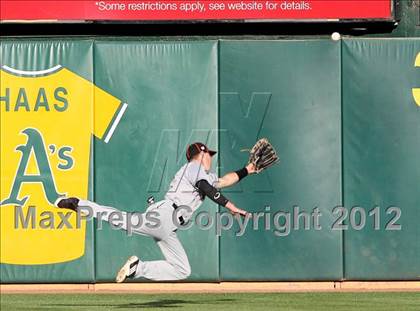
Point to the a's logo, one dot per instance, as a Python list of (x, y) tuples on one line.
[(34, 146), (416, 91)]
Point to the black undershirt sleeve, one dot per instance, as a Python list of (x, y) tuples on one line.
[(242, 173), (208, 190)]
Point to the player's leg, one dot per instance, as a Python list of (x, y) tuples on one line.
[(155, 222), (175, 266), (135, 221), (101, 212), (105, 213)]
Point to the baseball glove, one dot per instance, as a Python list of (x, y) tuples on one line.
[(262, 155)]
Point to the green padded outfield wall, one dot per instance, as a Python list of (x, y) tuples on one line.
[(381, 155), (171, 92), (109, 119), (289, 92), (166, 93)]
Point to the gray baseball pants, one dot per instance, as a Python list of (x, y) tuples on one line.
[(176, 265)]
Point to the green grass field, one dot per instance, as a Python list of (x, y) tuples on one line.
[(245, 301)]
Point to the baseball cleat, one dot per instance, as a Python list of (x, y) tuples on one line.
[(67, 203), (128, 270)]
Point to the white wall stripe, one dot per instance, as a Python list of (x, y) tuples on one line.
[(31, 73), (114, 125)]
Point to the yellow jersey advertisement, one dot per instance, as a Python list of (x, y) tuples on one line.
[(48, 118)]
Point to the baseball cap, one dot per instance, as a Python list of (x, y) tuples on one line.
[(196, 148)]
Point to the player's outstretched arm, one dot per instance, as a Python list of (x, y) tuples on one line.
[(214, 194), (233, 177), (234, 210)]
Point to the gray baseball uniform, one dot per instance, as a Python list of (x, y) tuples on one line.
[(182, 192)]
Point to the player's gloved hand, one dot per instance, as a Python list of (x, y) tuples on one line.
[(262, 155)]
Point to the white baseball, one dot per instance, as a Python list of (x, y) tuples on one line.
[(335, 36)]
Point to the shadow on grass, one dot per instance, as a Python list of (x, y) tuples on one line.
[(161, 303)]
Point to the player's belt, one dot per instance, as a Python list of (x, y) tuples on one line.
[(180, 218)]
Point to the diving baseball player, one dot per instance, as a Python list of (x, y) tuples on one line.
[(192, 183)]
